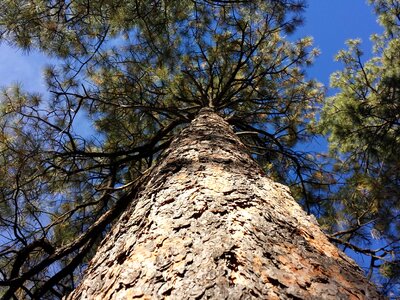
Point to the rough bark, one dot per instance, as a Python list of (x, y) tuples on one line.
[(210, 224)]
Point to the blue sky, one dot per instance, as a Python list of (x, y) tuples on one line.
[(331, 23), (18, 66)]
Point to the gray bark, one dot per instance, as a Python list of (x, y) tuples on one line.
[(210, 225)]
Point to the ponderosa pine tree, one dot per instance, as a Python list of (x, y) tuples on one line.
[(209, 224), (136, 73), (363, 120)]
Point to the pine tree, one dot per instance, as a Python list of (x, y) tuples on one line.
[(363, 122), (209, 224), (131, 76)]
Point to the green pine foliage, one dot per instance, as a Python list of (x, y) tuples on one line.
[(363, 124)]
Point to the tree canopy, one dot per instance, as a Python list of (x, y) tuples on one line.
[(362, 120)]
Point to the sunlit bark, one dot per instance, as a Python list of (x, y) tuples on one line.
[(210, 224)]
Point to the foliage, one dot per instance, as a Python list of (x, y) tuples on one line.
[(363, 123), (130, 75)]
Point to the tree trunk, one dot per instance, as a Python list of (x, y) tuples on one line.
[(210, 224)]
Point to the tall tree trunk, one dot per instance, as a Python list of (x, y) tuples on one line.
[(210, 224)]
